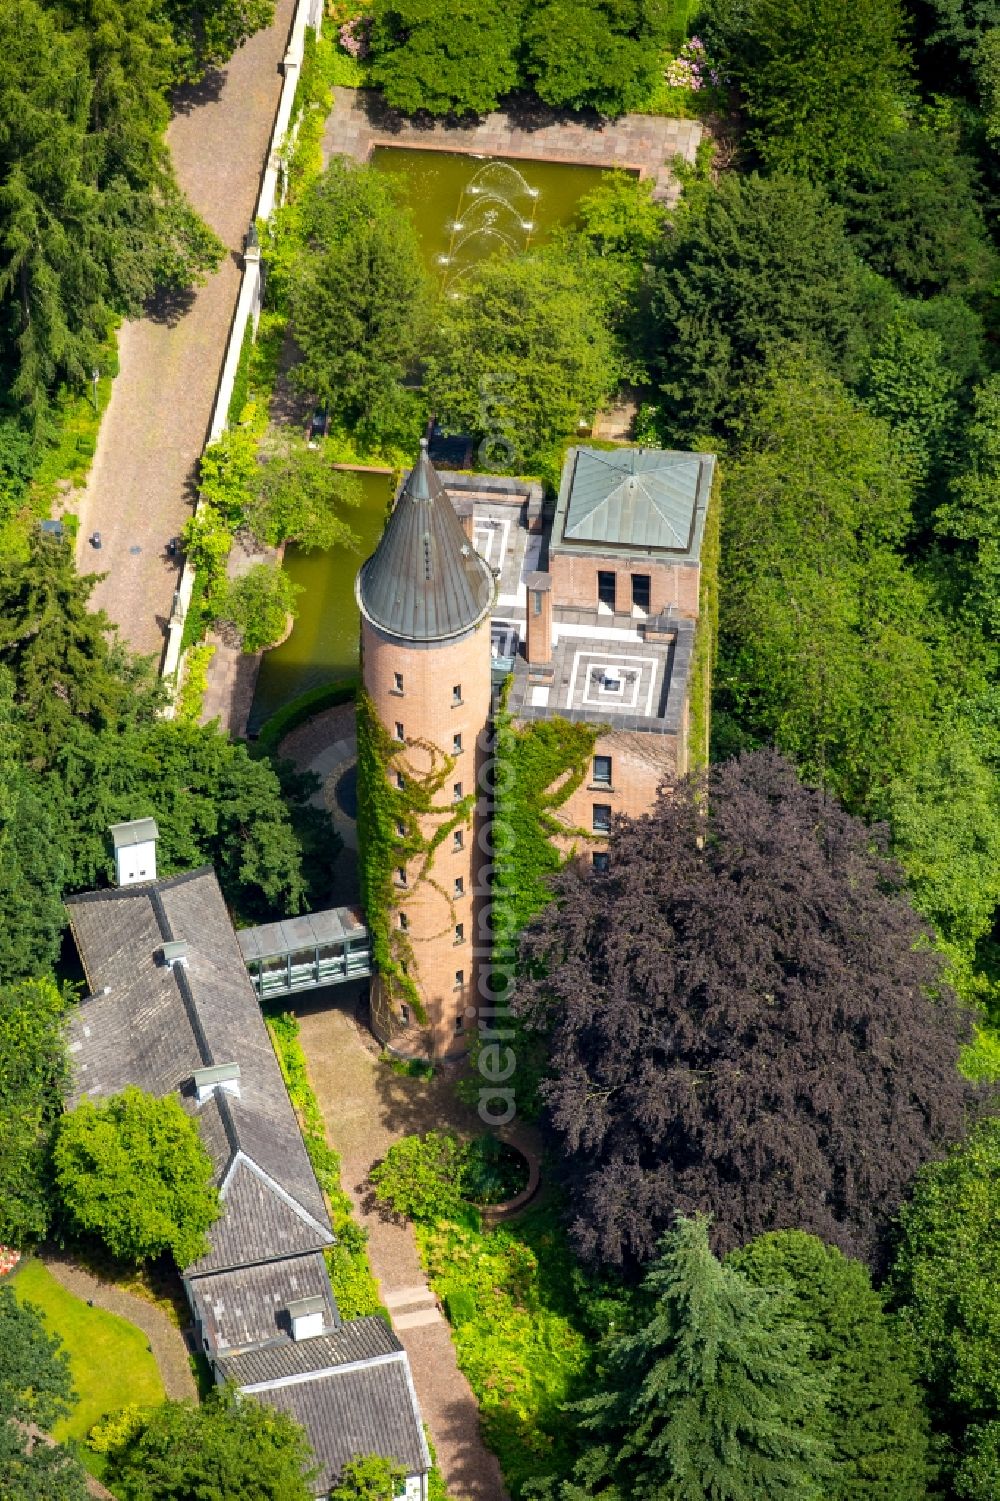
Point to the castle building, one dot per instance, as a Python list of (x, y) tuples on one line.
[(594, 614)]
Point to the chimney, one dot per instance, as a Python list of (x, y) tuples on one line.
[(306, 1316), (174, 952), (224, 1076), (465, 511), (135, 851), (539, 643)]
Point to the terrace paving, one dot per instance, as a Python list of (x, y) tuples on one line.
[(646, 144)]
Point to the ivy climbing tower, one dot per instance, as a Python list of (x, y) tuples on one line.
[(425, 597)]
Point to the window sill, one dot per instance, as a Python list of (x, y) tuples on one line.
[(600, 787)]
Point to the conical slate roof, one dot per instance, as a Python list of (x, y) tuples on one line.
[(424, 581)]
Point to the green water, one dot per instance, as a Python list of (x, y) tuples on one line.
[(324, 642), (511, 194)]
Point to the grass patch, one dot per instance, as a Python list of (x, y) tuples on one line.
[(290, 716), (354, 1286), (77, 423), (109, 1358)]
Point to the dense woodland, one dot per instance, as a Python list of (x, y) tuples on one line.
[(765, 1043)]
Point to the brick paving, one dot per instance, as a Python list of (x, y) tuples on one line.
[(140, 488), (165, 1340), (647, 144)]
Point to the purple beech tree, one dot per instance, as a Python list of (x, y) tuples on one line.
[(745, 1018)]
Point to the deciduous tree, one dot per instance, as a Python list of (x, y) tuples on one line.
[(299, 497), (228, 1449), (603, 55), (744, 1017), (449, 59), (522, 358), (35, 1389), (132, 1171)]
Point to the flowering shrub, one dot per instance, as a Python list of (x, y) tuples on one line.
[(353, 36), (8, 1259), (691, 68)]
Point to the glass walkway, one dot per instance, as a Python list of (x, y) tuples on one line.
[(303, 953)]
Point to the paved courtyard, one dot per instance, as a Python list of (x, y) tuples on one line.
[(140, 489)]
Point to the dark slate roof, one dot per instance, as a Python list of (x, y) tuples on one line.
[(637, 499), (424, 581), (361, 1339), (353, 1410), (248, 1305), (158, 1025)]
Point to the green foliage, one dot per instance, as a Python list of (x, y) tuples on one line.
[(296, 497), (944, 1281), (359, 292), (314, 701), (523, 358), (204, 36), (908, 384), (915, 216), (823, 85), (257, 605), (421, 1177), (192, 690), (875, 1423), (228, 1449), (603, 55), (713, 1394), (517, 1333), (980, 1061), (35, 1387), (391, 823), (353, 1284), (450, 59), (751, 267), (133, 1172), (35, 1383), (32, 871), (34, 1074), (369, 1479), (969, 517), (959, 24), (825, 643), (988, 78)]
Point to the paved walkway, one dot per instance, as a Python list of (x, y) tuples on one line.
[(165, 1340), (366, 1107), (141, 485), (646, 144)]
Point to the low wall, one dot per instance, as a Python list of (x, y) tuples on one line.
[(308, 13)]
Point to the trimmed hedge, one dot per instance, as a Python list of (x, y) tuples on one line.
[(290, 716)]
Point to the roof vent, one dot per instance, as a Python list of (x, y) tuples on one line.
[(306, 1315), (225, 1076), (135, 851), (175, 952)]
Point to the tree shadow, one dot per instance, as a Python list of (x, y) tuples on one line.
[(169, 305), (208, 90)]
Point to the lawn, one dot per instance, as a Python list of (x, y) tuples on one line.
[(109, 1358)]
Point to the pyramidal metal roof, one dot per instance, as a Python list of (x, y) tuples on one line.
[(424, 581), (637, 497)]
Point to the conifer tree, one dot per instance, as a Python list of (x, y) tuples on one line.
[(714, 1398)]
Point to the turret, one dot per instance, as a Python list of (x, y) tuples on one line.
[(425, 597)]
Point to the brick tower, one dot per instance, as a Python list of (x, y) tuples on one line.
[(425, 597)]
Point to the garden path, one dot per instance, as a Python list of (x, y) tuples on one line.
[(165, 1339), (366, 1107), (646, 144), (141, 485)]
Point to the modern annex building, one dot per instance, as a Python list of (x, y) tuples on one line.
[(591, 614), (173, 1011)]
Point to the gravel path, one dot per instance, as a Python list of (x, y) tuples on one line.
[(141, 485), (165, 1341)]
